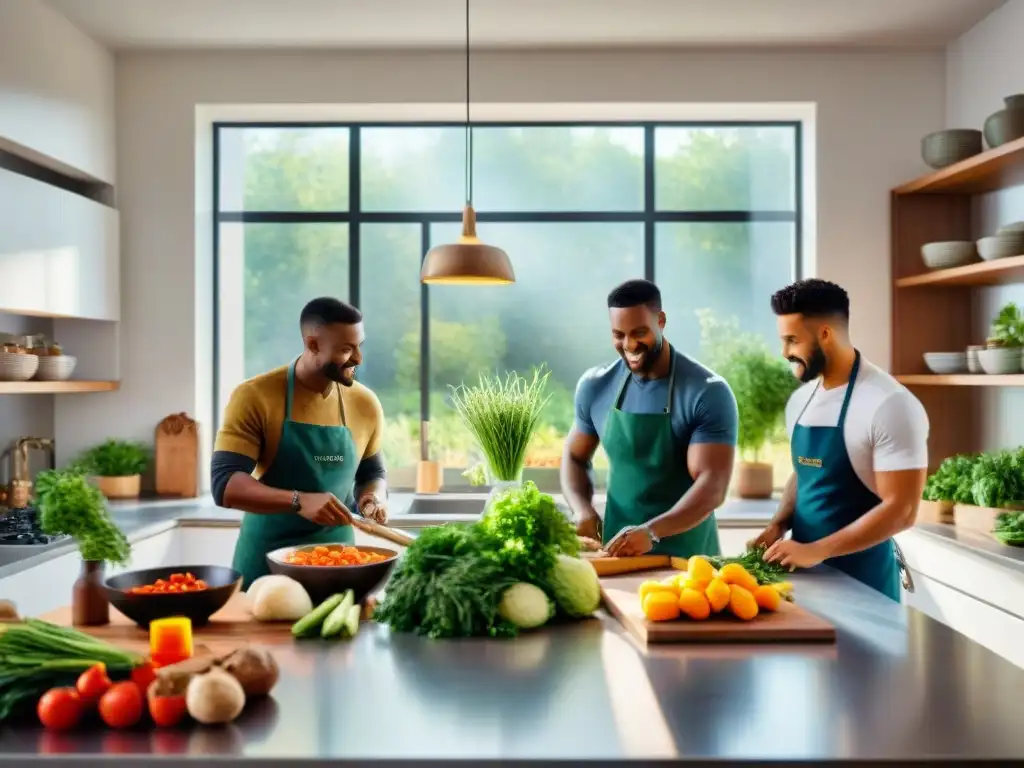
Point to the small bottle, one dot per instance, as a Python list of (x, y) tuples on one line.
[(89, 604)]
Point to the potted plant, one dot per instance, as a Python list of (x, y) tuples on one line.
[(116, 467), (1002, 353), (761, 383), (502, 416), (69, 504)]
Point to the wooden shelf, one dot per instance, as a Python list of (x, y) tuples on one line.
[(995, 169), (995, 272), (962, 380), (55, 387)]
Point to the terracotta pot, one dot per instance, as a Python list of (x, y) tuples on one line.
[(123, 487), (754, 480), (89, 604)]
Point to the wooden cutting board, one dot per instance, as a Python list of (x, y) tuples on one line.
[(177, 456), (791, 623)]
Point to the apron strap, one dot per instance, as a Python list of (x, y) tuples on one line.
[(290, 394), (846, 397), (671, 383)]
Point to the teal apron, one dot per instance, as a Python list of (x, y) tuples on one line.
[(647, 475), (830, 496), (310, 459)]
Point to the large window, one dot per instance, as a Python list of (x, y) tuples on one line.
[(710, 212)]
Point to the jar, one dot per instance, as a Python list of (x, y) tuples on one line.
[(89, 604)]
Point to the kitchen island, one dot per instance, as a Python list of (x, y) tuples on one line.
[(896, 685)]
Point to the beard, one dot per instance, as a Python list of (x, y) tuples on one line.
[(813, 367), (644, 356), (342, 374)]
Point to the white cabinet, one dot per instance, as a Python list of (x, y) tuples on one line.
[(208, 545), (59, 252)]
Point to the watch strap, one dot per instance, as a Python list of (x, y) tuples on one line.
[(650, 532), (296, 503)]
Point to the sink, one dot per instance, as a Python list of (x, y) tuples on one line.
[(447, 505)]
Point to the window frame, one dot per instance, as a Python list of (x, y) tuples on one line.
[(649, 215)]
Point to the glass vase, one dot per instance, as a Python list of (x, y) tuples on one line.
[(499, 486)]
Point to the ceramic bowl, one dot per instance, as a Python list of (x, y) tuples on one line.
[(944, 148), (56, 367), (322, 581), (223, 582), (945, 363), (947, 254), (1000, 360), (1001, 246)]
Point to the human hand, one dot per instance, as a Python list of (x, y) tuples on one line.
[(373, 508), (772, 533), (792, 554), (631, 542), (589, 525), (324, 509)]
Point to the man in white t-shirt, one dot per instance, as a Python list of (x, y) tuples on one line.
[(859, 441)]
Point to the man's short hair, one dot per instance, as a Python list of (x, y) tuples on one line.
[(812, 298), (328, 311), (635, 293)]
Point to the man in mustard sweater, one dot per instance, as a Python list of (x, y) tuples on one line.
[(299, 446)]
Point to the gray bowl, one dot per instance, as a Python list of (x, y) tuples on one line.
[(944, 148), (1001, 246), (945, 363), (322, 581), (951, 253)]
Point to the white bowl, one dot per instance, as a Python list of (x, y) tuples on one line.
[(1001, 246), (17, 366), (56, 367), (951, 253), (1017, 226), (944, 363), (1000, 360)]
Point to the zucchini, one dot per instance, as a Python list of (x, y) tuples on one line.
[(352, 621), (335, 622), (308, 625)]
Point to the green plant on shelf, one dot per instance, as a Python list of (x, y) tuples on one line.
[(114, 458), (1007, 328), (994, 480)]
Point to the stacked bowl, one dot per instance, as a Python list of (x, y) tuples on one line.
[(1006, 242), (946, 363), (946, 254)]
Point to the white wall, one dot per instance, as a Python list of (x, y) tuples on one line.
[(56, 107), (982, 66), (872, 111)]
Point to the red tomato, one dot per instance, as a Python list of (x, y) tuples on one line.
[(167, 711), (93, 683), (60, 709), (143, 675), (121, 706)]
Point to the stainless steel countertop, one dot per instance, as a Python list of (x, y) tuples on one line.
[(897, 685)]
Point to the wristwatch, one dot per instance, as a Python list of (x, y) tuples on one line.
[(650, 532), (296, 504)]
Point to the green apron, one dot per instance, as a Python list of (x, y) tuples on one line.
[(647, 475), (310, 459), (830, 496)]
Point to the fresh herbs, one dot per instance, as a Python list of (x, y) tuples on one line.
[(754, 563), (985, 480), (36, 656), (1009, 528), (1007, 328), (69, 504), (114, 458), (502, 416), (451, 579)]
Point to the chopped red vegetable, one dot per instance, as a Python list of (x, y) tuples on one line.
[(174, 584)]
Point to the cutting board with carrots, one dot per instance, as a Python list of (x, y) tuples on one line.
[(790, 623)]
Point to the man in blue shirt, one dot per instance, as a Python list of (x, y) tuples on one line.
[(668, 426)]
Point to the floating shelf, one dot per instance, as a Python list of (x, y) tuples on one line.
[(962, 380), (995, 169), (995, 272), (55, 387)]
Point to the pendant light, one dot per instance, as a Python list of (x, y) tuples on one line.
[(467, 261)]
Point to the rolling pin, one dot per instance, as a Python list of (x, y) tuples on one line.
[(382, 531)]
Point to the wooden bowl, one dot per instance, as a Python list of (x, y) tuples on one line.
[(198, 606), (322, 581)]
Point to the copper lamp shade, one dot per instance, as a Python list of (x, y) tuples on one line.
[(468, 261)]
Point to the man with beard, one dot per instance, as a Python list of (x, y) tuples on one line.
[(859, 442), (668, 426), (299, 446)]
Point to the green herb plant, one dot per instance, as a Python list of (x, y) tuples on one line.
[(502, 415), (754, 563), (114, 458), (953, 481), (1007, 328), (997, 479), (69, 504), (1009, 528), (760, 381)]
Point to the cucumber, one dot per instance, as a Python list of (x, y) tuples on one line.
[(308, 625), (335, 622), (352, 620)]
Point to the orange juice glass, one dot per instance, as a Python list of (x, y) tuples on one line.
[(170, 640)]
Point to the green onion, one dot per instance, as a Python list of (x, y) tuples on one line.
[(502, 416)]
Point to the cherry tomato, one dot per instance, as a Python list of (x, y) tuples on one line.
[(167, 711), (60, 709), (93, 683), (122, 705), (143, 675)]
